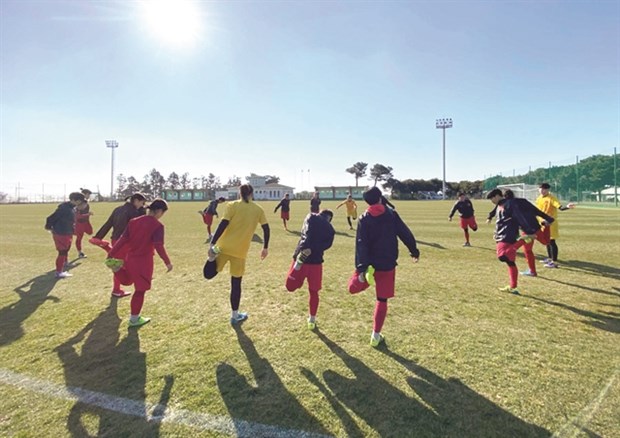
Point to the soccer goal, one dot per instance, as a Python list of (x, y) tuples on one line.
[(522, 190)]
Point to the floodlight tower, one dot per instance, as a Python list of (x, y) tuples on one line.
[(444, 124), (112, 144)]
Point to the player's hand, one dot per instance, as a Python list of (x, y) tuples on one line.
[(488, 221), (169, 267), (570, 205), (264, 253), (415, 259), (449, 219)]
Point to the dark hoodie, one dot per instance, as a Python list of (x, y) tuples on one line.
[(318, 235), (62, 220), (378, 231), (118, 220)]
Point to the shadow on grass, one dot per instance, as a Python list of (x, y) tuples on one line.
[(431, 244), (579, 286), (338, 233), (256, 238), (32, 294), (593, 268), (111, 367), (452, 409), (604, 321), (269, 402)]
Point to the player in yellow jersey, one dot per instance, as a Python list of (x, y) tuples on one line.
[(550, 205), (351, 209), (231, 243)]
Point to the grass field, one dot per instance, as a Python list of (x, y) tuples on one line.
[(462, 359)]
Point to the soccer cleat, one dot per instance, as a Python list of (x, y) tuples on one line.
[(139, 322), (545, 261), (120, 293), (114, 264), (242, 316), (81, 255), (467, 244), (103, 244), (370, 275), (529, 273), (63, 275), (551, 264), (374, 342), (311, 325), (301, 258), (214, 251), (512, 290)]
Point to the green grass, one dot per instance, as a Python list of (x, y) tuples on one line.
[(462, 359)]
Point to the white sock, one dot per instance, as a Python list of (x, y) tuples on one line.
[(311, 318), (235, 314), (376, 335), (134, 318)]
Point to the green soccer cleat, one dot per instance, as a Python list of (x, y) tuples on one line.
[(114, 264), (214, 251), (370, 275), (311, 325), (374, 342), (512, 290), (139, 322)]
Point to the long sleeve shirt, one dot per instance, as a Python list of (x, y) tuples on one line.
[(118, 220), (465, 209), (62, 221), (144, 235), (317, 234)]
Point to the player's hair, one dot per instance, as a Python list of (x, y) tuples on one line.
[(545, 186), (461, 194), (221, 199), (246, 190), (327, 214), (85, 192), (139, 196), (493, 193), (76, 196), (158, 204), (509, 194)]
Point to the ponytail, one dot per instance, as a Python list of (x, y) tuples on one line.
[(246, 191)]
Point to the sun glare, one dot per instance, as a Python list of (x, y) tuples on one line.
[(175, 23)]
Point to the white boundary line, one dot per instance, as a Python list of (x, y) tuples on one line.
[(196, 420), (574, 426)]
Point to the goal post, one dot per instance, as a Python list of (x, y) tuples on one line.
[(522, 190)]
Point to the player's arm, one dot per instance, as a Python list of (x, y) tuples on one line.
[(454, 207), (340, 205), (406, 236), (277, 206), (491, 214), (51, 220), (548, 219), (122, 241), (266, 235), (362, 254), (220, 230), (158, 243)]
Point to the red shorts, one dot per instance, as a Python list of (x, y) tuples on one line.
[(62, 241), (207, 218), (507, 249), (384, 283), (543, 235), (469, 222), (140, 270), (284, 215), (313, 272), (82, 228), (123, 251)]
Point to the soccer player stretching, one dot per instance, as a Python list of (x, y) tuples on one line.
[(376, 252), (317, 235), (231, 243), (143, 236), (550, 205), (351, 209), (466, 213), (118, 221), (82, 222), (208, 213), (61, 224), (285, 204), (509, 218), (315, 203)]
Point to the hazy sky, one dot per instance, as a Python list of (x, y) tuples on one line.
[(274, 87)]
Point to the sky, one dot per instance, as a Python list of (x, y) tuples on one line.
[(302, 89)]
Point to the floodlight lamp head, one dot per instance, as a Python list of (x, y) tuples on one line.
[(111, 143)]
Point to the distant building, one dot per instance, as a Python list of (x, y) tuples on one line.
[(262, 191), (340, 192), (184, 195)]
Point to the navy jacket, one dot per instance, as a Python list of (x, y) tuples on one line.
[(378, 231), (318, 235), (118, 220), (465, 209), (62, 220), (528, 214), (212, 208)]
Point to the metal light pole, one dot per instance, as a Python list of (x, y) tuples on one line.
[(112, 144), (444, 124)]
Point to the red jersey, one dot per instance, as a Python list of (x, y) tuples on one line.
[(143, 236)]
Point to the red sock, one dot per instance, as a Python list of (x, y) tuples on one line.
[(116, 284), (379, 316), (529, 257), (78, 243), (60, 263), (466, 235), (137, 300), (314, 302), (513, 272)]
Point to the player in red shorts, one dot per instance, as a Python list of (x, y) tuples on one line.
[(511, 215), (61, 224), (376, 252), (117, 222), (82, 222), (208, 213), (285, 203), (317, 235), (466, 213), (143, 236)]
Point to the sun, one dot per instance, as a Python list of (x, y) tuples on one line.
[(174, 23)]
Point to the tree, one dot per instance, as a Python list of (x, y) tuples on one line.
[(358, 170), (233, 181), (153, 183), (272, 179), (185, 181), (173, 181), (379, 172), (121, 185), (195, 183)]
